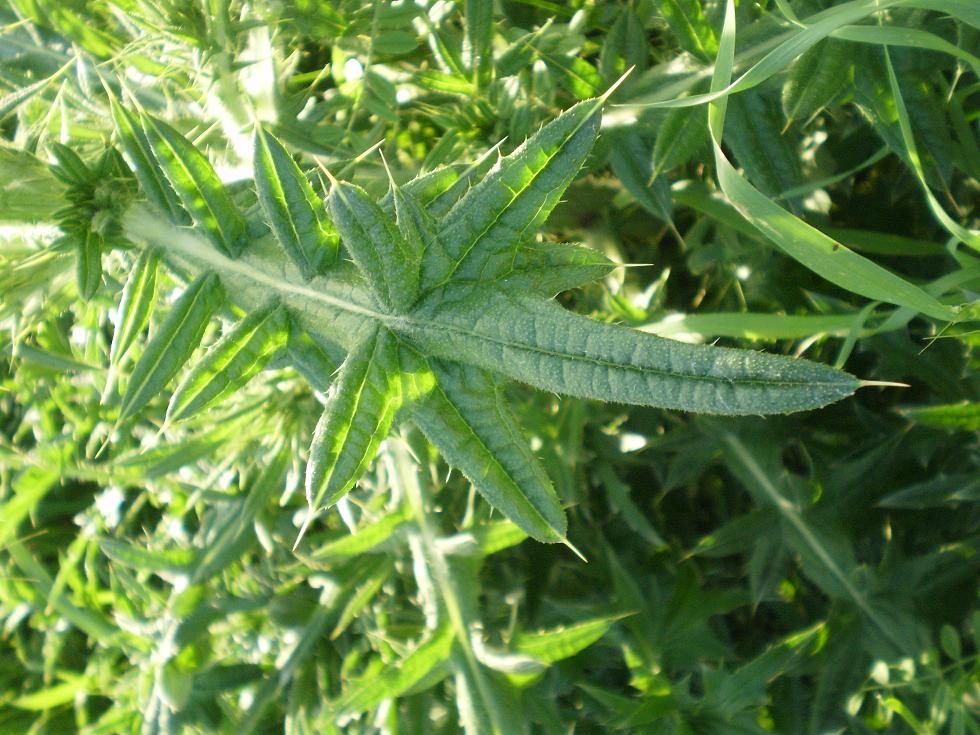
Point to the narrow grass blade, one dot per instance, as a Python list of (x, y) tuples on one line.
[(802, 242), (968, 236), (294, 212), (198, 186), (539, 343), (357, 417), (230, 363), (173, 343)]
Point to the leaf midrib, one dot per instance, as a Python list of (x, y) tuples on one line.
[(530, 347), (145, 227)]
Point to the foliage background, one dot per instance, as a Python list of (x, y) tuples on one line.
[(803, 574)]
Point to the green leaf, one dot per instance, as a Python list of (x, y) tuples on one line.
[(630, 161), (683, 133), (815, 250), (477, 48), (481, 233), (155, 186), (363, 694), (767, 155), (138, 298), (466, 417), (172, 344), (687, 22), (198, 186), (549, 646), (296, 215), (963, 416), (231, 362), (365, 540), (359, 411), (816, 79), (88, 264), (233, 535), (379, 250), (539, 343), (549, 268)]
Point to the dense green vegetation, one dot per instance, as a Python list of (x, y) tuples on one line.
[(489, 367)]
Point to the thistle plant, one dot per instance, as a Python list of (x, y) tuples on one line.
[(255, 252)]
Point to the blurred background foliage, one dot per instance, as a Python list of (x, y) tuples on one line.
[(813, 573)]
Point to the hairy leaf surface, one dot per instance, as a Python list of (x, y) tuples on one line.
[(173, 343), (231, 362), (382, 254), (198, 186), (294, 212), (362, 404), (466, 417), (539, 343), (481, 233)]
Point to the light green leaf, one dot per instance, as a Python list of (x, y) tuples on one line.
[(231, 362), (296, 215), (198, 186), (359, 412), (466, 417), (963, 416), (155, 186), (138, 298), (172, 344), (378, 248), (364, 540), (539, 343), (394, 680), (549, 646), (481, 233), (88, 264)]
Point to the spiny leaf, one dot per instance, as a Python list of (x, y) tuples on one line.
[(173, 343), (231, 362), (466, 417), (539, 343), (88, 264), (295, 213), (549, 268), (481, 233), (198, 186), (138, 297), (155, 186), (386, 260), (359, 411), (309, 359)]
